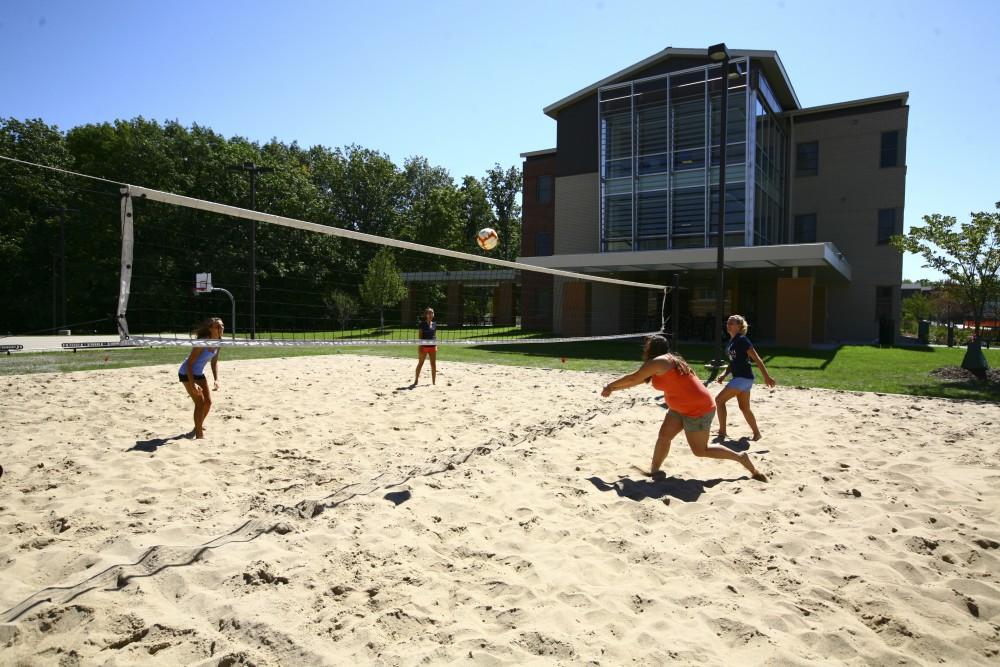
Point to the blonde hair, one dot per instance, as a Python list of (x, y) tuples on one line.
[(742, 321)]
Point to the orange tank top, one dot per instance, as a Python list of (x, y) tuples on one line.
[(684, 394)]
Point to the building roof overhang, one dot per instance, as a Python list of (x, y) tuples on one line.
[(796, 255), (540, 153), (902, 98), (769, 60)]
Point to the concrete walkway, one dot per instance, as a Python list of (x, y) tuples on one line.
[(51, 343)]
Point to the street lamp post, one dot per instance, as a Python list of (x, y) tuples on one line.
[(253, 171), (720, 54)]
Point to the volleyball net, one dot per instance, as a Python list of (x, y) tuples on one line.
[(281, 281)]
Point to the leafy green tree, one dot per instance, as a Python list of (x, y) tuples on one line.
[(343, 306), (477, 212), (383, 285), (946, 302), (350, 187), (914, 309), (502, 189), (432, 214), (365, 192), (29, 230), (969, 256)]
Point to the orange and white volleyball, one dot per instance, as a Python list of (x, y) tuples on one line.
[(487, 238)]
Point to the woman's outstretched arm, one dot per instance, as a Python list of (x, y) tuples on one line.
[(646, 371)]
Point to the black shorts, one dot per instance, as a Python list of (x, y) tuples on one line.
[(184, 378)]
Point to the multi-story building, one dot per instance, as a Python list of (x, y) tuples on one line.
[(812, 196)]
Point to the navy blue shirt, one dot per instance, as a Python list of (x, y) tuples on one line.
[(739, 360), (428, 330)]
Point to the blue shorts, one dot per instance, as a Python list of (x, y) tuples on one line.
[(197, 378), (740, 384)]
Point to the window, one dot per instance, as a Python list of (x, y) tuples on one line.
[(543, 191), (807, 159), (883, 302), (886, 225), (890, 149), (805, 228), (543, 244)]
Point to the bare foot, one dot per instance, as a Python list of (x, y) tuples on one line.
[(757, 436), (199, 433), (748, 464), (721, 436), (655, 474)]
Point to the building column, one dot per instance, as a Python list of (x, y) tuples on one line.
[(794, 312), (819, 314), (574, 309), (503, 304)]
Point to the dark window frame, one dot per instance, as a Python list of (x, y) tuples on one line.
[(543, 195), (889, 155), (884, 295), (881, 238), (810, 165), (543, 243), (797, 236)]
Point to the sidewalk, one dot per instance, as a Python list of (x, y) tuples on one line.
[(50, 343)]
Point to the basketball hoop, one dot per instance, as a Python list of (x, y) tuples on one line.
[(202, 282)]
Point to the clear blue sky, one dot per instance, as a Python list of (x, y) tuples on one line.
[(463, 83)]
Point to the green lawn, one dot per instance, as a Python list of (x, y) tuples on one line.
[(854, 368)]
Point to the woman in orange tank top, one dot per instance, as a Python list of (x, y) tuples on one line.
[(691, 406)]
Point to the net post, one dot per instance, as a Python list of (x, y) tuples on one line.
[(125, 280)]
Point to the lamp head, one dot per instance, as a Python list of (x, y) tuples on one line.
[(718, 53)]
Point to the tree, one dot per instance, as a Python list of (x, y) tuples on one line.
[(383, 285), (945, 303), (476, 212), (914, 309), (969, 256), (343, 305), (29, 232), (502, 188)]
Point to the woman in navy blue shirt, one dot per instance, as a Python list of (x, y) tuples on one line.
[(428, 332), (741, 352)]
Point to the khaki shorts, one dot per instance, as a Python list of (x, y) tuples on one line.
[(703, 423)]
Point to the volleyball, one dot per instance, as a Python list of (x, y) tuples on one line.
[(487, 238)]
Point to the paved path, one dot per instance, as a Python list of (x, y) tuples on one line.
[(50, 343)]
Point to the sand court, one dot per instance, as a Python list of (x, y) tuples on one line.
[(332, 515)]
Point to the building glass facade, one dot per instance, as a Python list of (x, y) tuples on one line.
[(660, 150), (769, 172)]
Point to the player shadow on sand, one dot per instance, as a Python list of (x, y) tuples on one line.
[(150, 446), (659, 487)]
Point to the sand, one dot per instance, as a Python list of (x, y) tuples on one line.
[(335, 516)]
